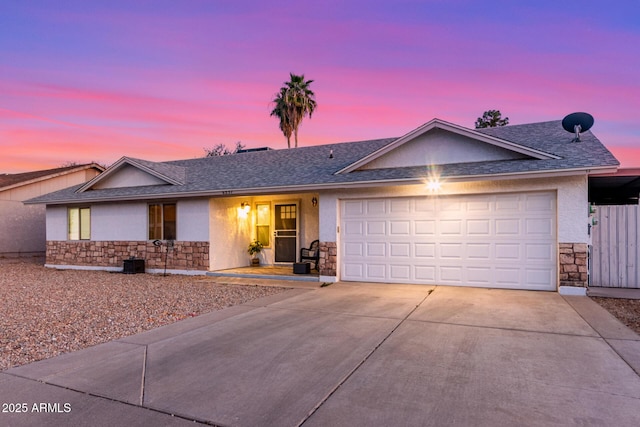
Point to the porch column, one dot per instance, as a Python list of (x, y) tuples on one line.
[(573, 268), (328, 259)]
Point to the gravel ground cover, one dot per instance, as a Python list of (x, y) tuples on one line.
[(626, 310), (46, 312)]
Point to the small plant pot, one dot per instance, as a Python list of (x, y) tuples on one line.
[(255, 262)]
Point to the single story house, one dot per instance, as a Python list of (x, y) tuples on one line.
[(503, 207), (22, 227)]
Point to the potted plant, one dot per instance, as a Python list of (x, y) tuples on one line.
[(254, 249)]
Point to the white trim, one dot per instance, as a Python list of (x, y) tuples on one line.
[(120, 269), (178, 272), (572, 290), (83, 267), (328, 279)]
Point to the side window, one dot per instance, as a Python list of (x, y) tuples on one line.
[(79, 220), (263, 223), (162, 221)]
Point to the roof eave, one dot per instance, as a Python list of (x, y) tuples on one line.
[(337, 185)]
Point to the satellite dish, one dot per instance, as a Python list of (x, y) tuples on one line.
[(576, 123)]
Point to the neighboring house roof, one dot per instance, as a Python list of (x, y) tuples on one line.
[(537, 149), (9, 181)]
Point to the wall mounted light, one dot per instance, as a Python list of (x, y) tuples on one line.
[(314, 201), (433, 185), (243, 210)]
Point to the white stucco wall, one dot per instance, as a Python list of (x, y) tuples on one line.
[(128, 176), (129, 221), (119, 222), (230, 235), (193, 220), (439, 147), (56, 223), (572, 193)]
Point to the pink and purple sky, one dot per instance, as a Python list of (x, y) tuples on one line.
[(85, 81)]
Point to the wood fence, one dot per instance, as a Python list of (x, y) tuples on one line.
[(615, 256)]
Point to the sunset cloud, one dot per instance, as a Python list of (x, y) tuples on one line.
[(83, 81)]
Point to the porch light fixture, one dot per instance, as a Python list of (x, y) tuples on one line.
[(314, 201), (432, 180), (434, 185), (243, 210)]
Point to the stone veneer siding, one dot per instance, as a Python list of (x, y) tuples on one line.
[(183, 256), (328, 259), (573, 264)]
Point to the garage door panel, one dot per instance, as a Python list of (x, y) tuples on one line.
[(402, 228), (479, 276), (425, 227), (507, 252), (451, 250), (376, 249), (400, 206), (353, 228), (425, 250), (375, 207), (539, 227), (425, 204), (539, 203), (479, 227), (376, 271), (450, 227), (376, 228), (500, 240), (425, 274), (400, 250), (479, 251), (399, 272), (539, 252), (451, 275), (354, 249)]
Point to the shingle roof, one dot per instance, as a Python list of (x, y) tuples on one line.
[(313, 167)]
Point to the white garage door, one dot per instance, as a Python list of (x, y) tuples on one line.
[(495, 240)]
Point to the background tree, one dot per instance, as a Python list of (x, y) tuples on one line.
[(491, 119), (222, 150), (293, 103)]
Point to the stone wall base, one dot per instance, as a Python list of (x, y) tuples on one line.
[(183, 256), (328, 264), (573, 266)]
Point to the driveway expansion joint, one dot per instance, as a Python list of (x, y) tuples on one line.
[(359, 364)]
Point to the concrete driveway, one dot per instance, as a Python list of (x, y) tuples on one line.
[(351, 355)]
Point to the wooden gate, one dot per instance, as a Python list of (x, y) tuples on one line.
[(615, 256)]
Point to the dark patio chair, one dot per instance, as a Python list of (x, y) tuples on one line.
[(311, 254)]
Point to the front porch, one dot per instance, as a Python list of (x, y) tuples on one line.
[(274, 272)]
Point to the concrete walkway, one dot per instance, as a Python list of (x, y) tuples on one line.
[(351, 355)]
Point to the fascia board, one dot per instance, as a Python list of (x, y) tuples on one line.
[(334, 186)]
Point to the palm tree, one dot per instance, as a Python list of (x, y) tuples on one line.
[(281, 111), (294, 101)]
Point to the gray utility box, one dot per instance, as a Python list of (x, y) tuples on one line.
[(133, 266)]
